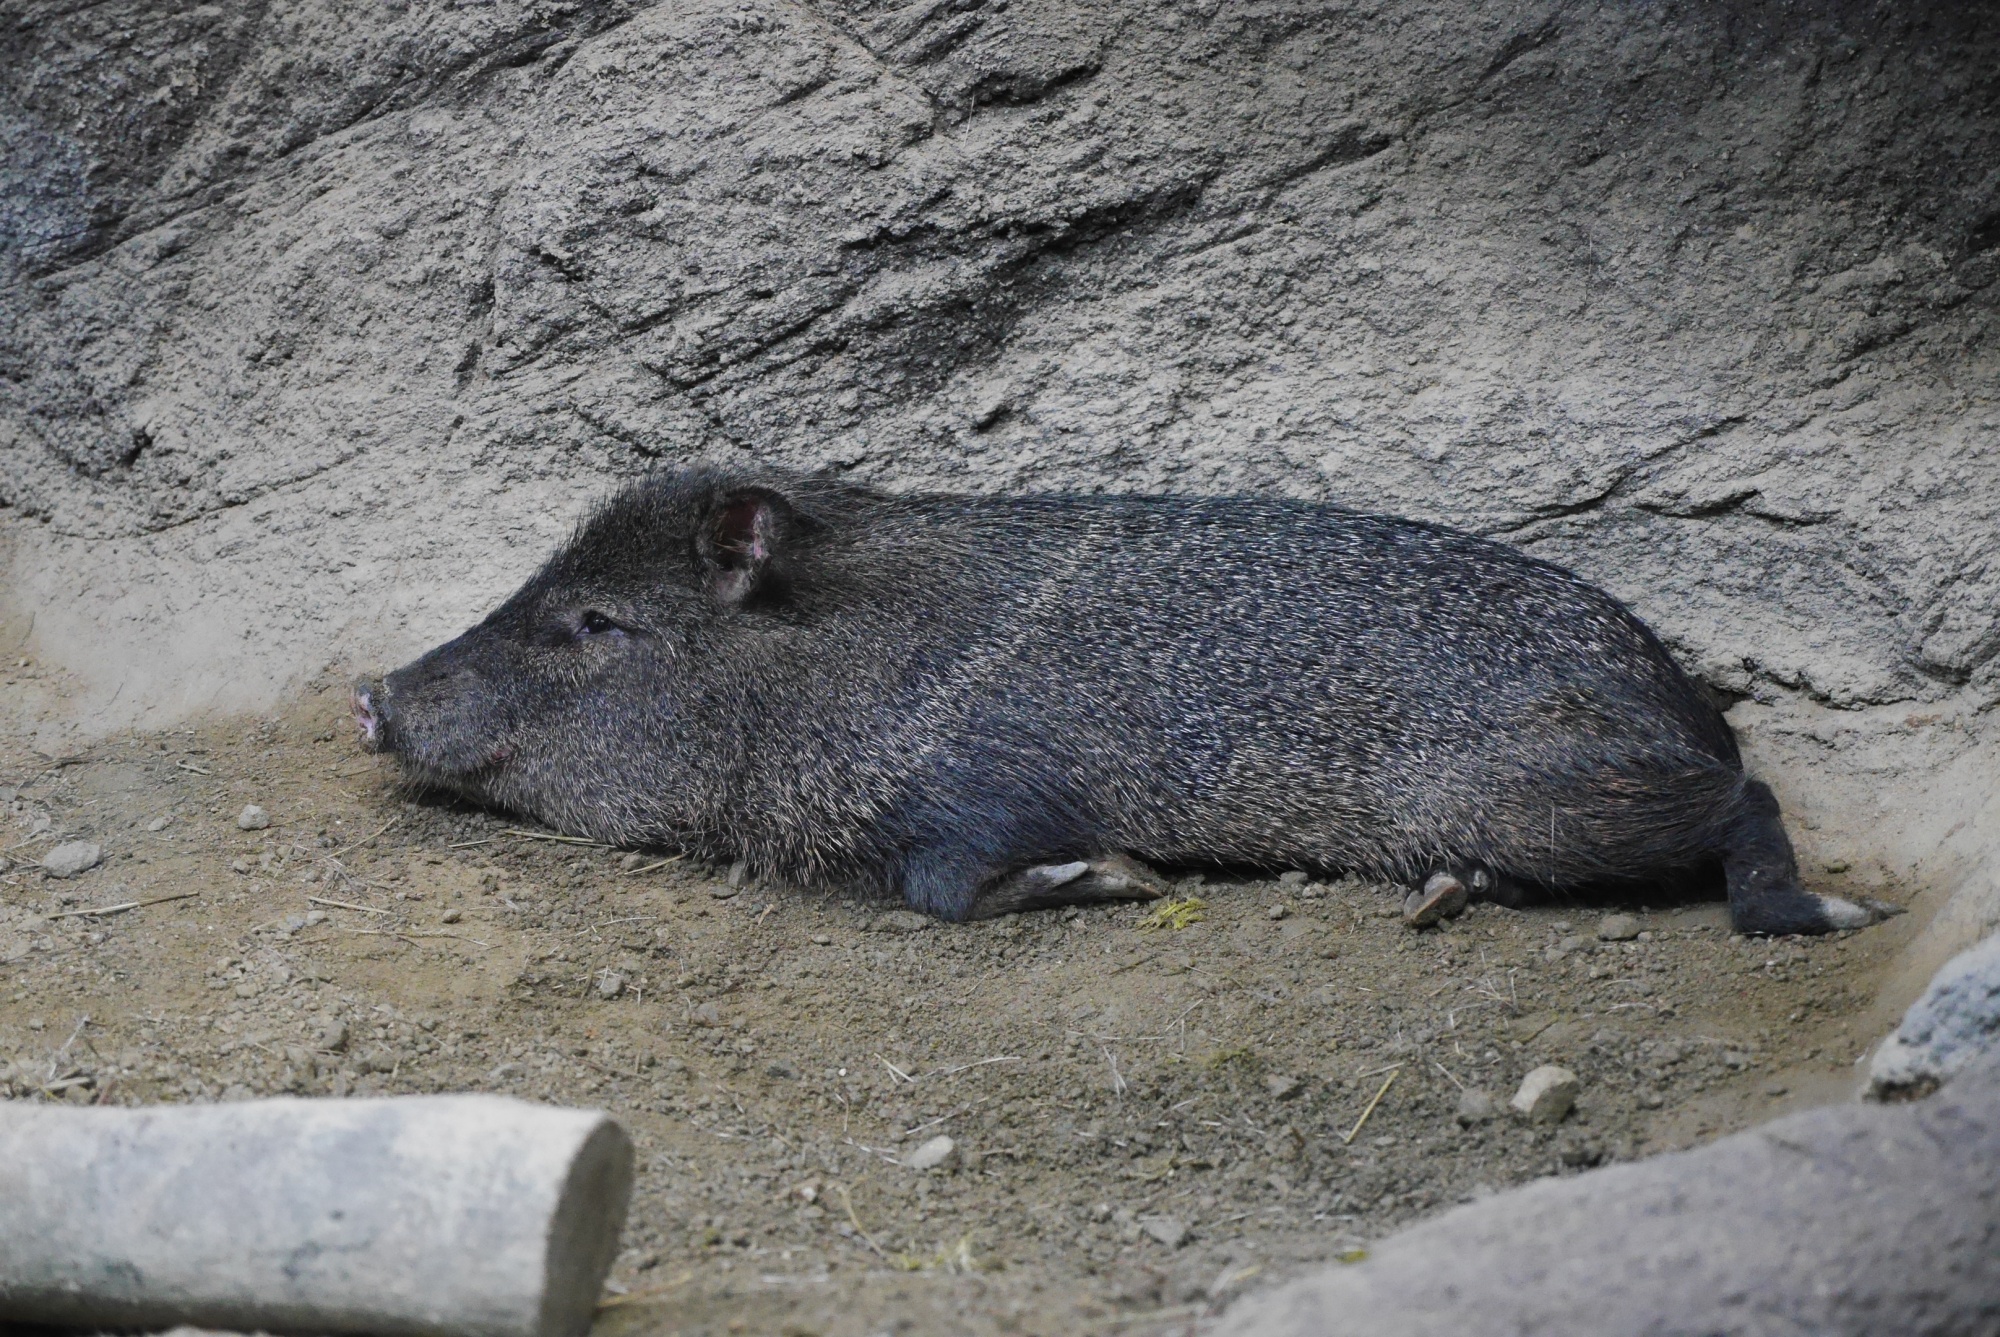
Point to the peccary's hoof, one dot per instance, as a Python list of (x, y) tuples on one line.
[(1443, 896), (1119, 877), (1109, 877), (1049, 876)]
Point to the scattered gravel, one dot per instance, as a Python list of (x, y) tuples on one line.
[(1618, 928), (1475, 1106), (1547, 1094), (937, 1154), (72, 858)]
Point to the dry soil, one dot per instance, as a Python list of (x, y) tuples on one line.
[(1146, 1120)]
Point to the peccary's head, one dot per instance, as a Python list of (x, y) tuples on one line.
[(599, 698)]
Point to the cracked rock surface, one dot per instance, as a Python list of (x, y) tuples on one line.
[(318, 323)]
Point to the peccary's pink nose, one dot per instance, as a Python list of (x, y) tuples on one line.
[(366, 718)]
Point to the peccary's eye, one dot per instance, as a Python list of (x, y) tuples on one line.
[(594, 623)]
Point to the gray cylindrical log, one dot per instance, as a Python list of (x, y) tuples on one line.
[(473, 1215)]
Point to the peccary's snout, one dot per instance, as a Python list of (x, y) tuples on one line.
[(371, 714)]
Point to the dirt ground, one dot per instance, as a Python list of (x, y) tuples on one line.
[(1146, 1120)]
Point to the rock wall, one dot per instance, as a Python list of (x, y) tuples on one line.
[(319, 321)]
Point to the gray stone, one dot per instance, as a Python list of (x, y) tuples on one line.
[(1617, 928), (252, 818), (72, 858), (1281, 1087), (159, 824), (1546, 1094), (1475, 1106), (1852, 1221), (1170, 1232), (937, 1154), (610, 984), (1956, 1021)]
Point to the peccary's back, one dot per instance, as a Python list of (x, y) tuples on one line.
[(1242, 678)]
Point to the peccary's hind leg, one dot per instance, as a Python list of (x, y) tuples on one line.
[(1763, 875), (1109, 877), (1445, 893)]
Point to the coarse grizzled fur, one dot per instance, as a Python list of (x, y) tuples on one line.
[(933, 693)]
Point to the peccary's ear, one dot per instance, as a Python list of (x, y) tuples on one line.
[(744, 544)]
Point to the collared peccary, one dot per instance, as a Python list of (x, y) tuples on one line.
[(984, 704)]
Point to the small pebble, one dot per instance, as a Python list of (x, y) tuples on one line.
[(722, 891), (315, 917), (822, 940), (899, 921), (1171, 1232), (631, 861), (239, 865), (1474, 1106), (252, 818), (737, 871), (68, 860), (1279, 912), (160, 823), (332, 1036), (707, 1014), (1295, 878), (1618, 928), (938, 1153), (451, 916), (1547, 1094), (292, 924), (1281, 1087), (610, 984)]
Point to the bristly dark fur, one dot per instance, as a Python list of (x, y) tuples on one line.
[(928, 692)]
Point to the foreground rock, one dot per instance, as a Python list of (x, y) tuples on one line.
[(1857, 1220), (1956, 1020)]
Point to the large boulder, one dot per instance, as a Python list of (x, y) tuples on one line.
[(1859, 1220)]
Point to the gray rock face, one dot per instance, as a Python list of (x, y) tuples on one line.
[(1860, 1219), (1954, 1024), (327, 319)]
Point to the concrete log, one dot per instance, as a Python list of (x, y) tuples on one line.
[(473, 1215)]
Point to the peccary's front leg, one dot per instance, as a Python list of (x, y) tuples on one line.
[(1109, 877), (956, 888)]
